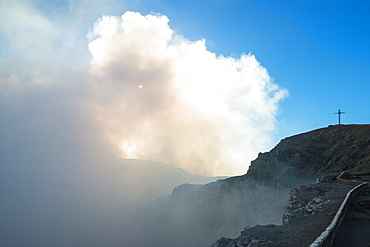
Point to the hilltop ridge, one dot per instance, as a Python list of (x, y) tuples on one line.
[(223, 208), (315, 153)]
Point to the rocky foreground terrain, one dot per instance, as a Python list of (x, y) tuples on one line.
[(309, 211), (199, 215)]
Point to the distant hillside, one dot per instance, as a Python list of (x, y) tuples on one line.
[(201, 215), (153, 179)]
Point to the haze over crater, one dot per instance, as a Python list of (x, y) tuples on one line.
[(146, 92), (169, 99)]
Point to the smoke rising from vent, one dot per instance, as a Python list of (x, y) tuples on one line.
[(134, 88), (147, 92), (166, 98)]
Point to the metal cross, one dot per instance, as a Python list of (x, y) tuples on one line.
[(339, 113)]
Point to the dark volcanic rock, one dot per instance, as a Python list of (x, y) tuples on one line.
[(320, 152), (197, 216), (218, 209), (309, 211)]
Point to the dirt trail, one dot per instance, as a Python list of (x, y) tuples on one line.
[(355, 228)]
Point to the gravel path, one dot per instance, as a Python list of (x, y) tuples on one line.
[(355, 229), (310, 211), (307, 225)]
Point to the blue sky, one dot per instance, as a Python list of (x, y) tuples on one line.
[(318, 51)]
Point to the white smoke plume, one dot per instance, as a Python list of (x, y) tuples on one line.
[(147, 92), (133, 89), (163, 97)]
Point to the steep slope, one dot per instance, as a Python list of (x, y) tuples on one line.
[(223, 208), (315, 153), (200, 216)]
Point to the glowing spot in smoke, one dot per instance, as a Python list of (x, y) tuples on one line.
[(129, 149), (194, 96)]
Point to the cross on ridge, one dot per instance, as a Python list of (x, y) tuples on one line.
[(339, 113)]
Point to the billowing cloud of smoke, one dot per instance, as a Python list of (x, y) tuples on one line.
[(205, 113), (66, 104), (165, 98)]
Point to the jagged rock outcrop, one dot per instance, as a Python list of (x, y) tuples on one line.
[(309, 211), (305, 199), (199, 216), (315, 153), (202, 215)]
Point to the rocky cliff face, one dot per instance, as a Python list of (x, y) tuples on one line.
[(200, 215), (222, 208), (315, 153)]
